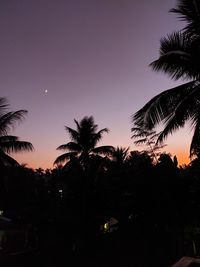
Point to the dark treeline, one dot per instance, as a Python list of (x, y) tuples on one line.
[(68, 209)]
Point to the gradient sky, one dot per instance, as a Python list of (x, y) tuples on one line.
[(92, 56)]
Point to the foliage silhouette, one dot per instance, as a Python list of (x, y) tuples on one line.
[(120, 155), (149, 138), (179, 56), (84, 140), (10, 143)]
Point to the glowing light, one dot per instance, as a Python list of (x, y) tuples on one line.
[(106, 227), (61, 192)]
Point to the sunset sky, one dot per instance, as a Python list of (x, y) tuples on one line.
[(92, 57)]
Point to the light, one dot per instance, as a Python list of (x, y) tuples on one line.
[(106, 227), (61, 193), (111, 225), (1, 212)]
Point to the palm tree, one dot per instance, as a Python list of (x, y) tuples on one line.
[(119, 155), (10, 143), (83, 142), (79, 152), (179, 57)]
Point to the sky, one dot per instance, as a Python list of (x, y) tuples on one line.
[(92, 57)]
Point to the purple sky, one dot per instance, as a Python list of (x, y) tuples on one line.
[(92, 57)]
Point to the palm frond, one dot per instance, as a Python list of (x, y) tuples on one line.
[(189, 11), (74, 135), (88, 123), (141, 141), (106, 150), (64, 157), (7, 160), (120, 154), (98, 136), (8, 120), (186, 108), (153, 136), (195, 143), (3, 105), (140, 132), (11, 144), (161, 106), (104, 130), (71, 146), (77, 125), (178, 56), (8, 138)]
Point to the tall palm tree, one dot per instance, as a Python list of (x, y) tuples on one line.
[(82, 147), (10, 143), (83, 142), (179, 58)]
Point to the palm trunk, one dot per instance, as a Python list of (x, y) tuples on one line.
[(83, 226)]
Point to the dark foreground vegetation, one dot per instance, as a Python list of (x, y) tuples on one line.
[(117, 213)]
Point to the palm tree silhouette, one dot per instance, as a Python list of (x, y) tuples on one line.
[(120, 155), (10, 143), (80, 152), (83, 142), (179, 57)]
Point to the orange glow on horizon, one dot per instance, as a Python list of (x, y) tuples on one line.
[(46, 161), (182, 158)]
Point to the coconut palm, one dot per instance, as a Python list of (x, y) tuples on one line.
[(119, 155), (83, 142), (10, 143), (179, 57)]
